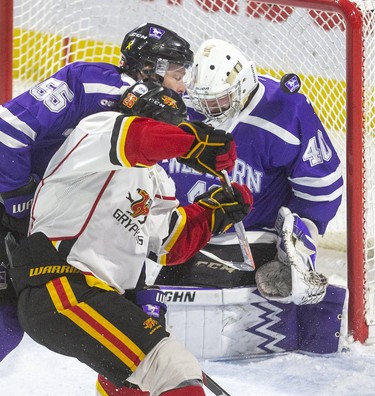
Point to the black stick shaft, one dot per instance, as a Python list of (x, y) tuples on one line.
[(213, 386)]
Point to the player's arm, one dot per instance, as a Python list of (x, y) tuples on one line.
[(17, 184), (18, 132), (191, 226), (24, 122), (316, 182), (291, 276), (315, 176), (144, 142)]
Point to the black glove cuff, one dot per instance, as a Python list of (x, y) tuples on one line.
[(28, 188)]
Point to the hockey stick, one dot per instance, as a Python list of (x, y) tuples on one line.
[(214, 387), (239, 227), (239, 265), (248, 263)]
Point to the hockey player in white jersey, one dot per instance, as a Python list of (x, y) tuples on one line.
[(289, 163), (102, 207), (34, 124)]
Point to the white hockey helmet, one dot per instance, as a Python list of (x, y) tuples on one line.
[(222, 80)]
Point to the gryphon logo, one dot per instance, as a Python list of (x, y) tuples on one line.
[(140, 207)]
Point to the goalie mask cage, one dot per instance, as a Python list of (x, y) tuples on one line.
[(330, 44)]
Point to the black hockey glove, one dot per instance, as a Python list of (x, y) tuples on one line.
[(18, 227), (212, 151), (224, 210), (17, 204)]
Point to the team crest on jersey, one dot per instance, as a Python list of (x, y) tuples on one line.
[(132, 219), (168, 101), (141, 206), (156, 33)]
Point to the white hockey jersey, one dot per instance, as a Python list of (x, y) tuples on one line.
[(114, 213)]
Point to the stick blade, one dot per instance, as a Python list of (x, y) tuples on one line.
[(242, 266)]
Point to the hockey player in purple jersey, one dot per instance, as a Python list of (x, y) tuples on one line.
[(35, 124), (286, 159)]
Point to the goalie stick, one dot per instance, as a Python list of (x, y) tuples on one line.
[(248, 263)]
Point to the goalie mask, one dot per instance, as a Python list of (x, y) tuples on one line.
[(152, 50), (222, 80), (149, 99)]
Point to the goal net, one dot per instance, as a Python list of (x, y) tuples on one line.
[(330, 44)]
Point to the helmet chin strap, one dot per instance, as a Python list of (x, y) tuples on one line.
[(247, 99)]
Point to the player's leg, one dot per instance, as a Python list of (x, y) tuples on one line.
[(104, 387), (11, 332), (107, 389), (186, 391), (80, 316), (108, 333), (151, 300)]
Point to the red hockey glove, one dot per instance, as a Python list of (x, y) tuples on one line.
[(226, 211), (212, 151)]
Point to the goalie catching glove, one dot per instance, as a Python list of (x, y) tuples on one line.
[(291, 277), (212, 151), (224, 210)]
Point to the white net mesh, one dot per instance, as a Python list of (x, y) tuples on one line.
[(280, 39)]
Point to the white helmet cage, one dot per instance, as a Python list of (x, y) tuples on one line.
[(222, 80)]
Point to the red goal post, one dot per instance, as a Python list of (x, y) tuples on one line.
[(329, 43)]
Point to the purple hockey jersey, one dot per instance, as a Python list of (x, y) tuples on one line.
[(284, 156), (34, 124)]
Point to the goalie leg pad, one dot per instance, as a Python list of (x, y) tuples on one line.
[(238, 322), (323, 327)]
